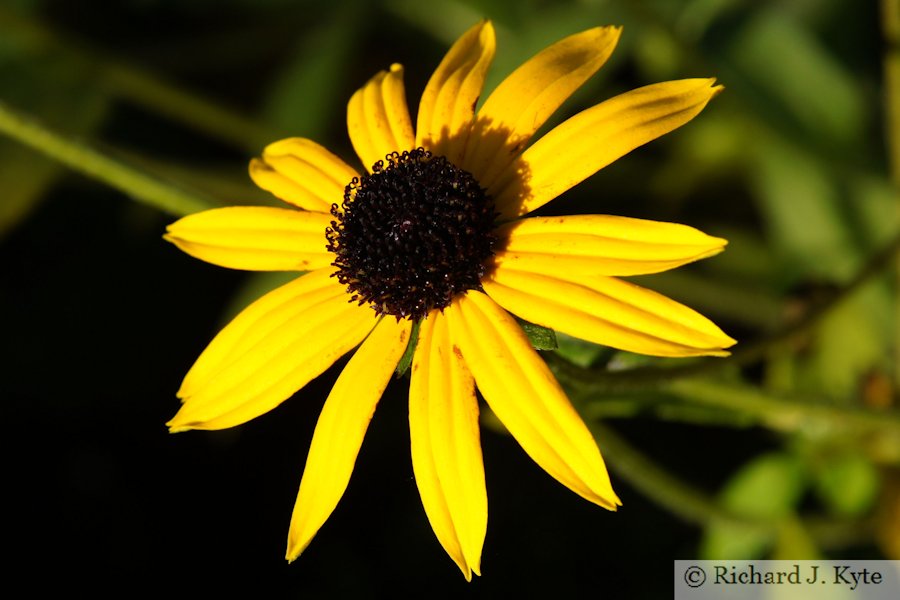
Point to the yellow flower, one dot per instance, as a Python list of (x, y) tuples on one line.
[(433, 232)]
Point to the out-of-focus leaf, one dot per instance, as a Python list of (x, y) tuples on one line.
[(888, 529), (850, 341), (697, 16), (781, 371), (789, 66), (444, 20), (60, 99), (750, 305), (578, 351), (26, 176), (875, 202), (255, 286), (620, 360), (227, 182), (794, 542), (658, 54), (713, 149), (747, 259), (847, 484), (767, 488), (303, 97), (799, 202)]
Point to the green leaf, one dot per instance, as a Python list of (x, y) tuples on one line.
[(794, 542), (849, 343), (847, 484), (53, 95), (767, 488), (800, 205), (26, 178), (875, 201)]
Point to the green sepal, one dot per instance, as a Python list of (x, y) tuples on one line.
[(407, 358), (540, 337)]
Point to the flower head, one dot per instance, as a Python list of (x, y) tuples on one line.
[(434, 233)]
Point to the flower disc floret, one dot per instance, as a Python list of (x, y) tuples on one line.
[(411, 235)]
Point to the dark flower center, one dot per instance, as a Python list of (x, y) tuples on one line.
[(412, 235)]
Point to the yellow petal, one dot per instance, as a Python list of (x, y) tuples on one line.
[(377, 118), (259, 320), (600, 245), (254, 238), (592, 139), (269, 351), (526, 397), (448, 102), (607, 311), (446, 448), (303, 173), (341, 428), (527, 98)]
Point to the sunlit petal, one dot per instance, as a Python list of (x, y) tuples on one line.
[(269, 351), (607, 311), (254, 238), (446, 448), (303, 173), (526, 99), (378, 119), (341, 428), (592, 139), (587, 245), (526, 397), (448, 102)]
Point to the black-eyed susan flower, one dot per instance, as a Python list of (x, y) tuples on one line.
[(434, 232)]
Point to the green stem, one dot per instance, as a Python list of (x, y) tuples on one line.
[(140, 87), (783, 413), (186, 108), (657, 484), (88, 161), (742, 405)]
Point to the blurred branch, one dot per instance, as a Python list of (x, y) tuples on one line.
[(88, 161), (657, 484), (140, 87), (784, 413)]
